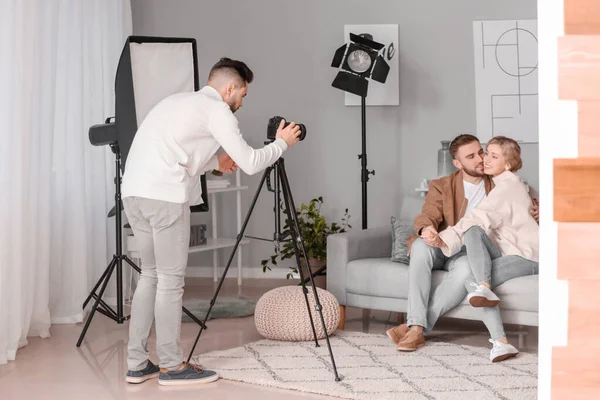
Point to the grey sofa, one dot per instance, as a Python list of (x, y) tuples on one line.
[(360, 274)]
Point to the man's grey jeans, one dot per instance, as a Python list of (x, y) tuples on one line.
[(162, 233), (425, 308)]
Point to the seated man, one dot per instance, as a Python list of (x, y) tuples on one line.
[(448, 200)]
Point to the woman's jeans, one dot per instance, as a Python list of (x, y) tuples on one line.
[(488, 265)]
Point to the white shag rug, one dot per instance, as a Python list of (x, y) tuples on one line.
[(370, 367)]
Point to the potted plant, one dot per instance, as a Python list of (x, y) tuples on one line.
[(315, 229)]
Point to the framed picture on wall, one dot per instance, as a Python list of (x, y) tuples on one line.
[(506, 79)]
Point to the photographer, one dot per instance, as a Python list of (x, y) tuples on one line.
[(176, 143)]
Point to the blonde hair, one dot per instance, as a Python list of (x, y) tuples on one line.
[(510, 150)]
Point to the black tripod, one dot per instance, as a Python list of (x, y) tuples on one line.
[(117, 262), (297, 240)]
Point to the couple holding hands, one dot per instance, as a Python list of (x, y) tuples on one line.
[(479, 224)]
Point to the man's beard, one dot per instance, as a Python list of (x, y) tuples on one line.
[(474, 172), (232, 107)]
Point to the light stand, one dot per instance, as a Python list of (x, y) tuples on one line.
[(149, 69), (281, 183), (359, 61)]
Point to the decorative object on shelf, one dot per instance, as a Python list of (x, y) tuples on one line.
[(315, 230), (198, 235), (424, 188), (281, 314), (445, 166)]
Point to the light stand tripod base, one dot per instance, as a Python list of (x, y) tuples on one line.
[(300, 251)]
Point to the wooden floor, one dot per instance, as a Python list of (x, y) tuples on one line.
[(577, 206)]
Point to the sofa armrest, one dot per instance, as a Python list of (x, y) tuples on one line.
[(353, 245)]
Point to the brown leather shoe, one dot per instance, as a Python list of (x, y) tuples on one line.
[(411, 341), (397, 333)]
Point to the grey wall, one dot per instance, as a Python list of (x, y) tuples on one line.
[(289, 45)]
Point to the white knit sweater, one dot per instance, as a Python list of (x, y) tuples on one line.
[(177, 142), (505, 216)]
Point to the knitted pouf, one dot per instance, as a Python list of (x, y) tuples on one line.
[(281, 314)]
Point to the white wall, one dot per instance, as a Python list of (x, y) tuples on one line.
[(558, 139), (289, 45)]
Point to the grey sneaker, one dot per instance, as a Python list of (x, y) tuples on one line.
[(151, 371), (189, 374)]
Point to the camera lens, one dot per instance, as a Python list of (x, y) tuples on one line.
[(302, 131)]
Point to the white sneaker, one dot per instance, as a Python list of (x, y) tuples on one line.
[(482, 297), (502, 351)]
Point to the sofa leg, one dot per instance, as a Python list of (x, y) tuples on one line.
[(521, 341), (366, 319), (342, 323), (401, 318), (522, 336)]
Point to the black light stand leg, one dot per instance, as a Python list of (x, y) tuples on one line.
[(93, 292), (298, 243), (235, 247), (111, 267)]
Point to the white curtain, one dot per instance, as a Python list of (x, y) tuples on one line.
[(58, 61)]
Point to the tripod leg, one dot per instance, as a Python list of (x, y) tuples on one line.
[(133, 265), (93, 311), (296, 241), (232, 255), (85, 303), (299, 242)]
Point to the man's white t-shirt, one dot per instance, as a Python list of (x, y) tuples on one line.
[(474, 193), (177, 142)]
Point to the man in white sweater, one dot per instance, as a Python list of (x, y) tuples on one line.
[(175, 144)]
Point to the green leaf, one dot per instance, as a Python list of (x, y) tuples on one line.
[(313, 228)]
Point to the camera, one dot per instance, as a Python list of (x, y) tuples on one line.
[(274, 125)]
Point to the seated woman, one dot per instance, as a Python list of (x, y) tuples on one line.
[(500, 237)]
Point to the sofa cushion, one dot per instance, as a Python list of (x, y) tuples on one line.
[(381, 277), (402, 229), (519, 293)]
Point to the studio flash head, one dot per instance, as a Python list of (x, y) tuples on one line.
[(274, 125)]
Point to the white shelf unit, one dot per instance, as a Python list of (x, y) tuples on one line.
[(214, 242)]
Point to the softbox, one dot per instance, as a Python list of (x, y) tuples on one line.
[(150, 69)]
